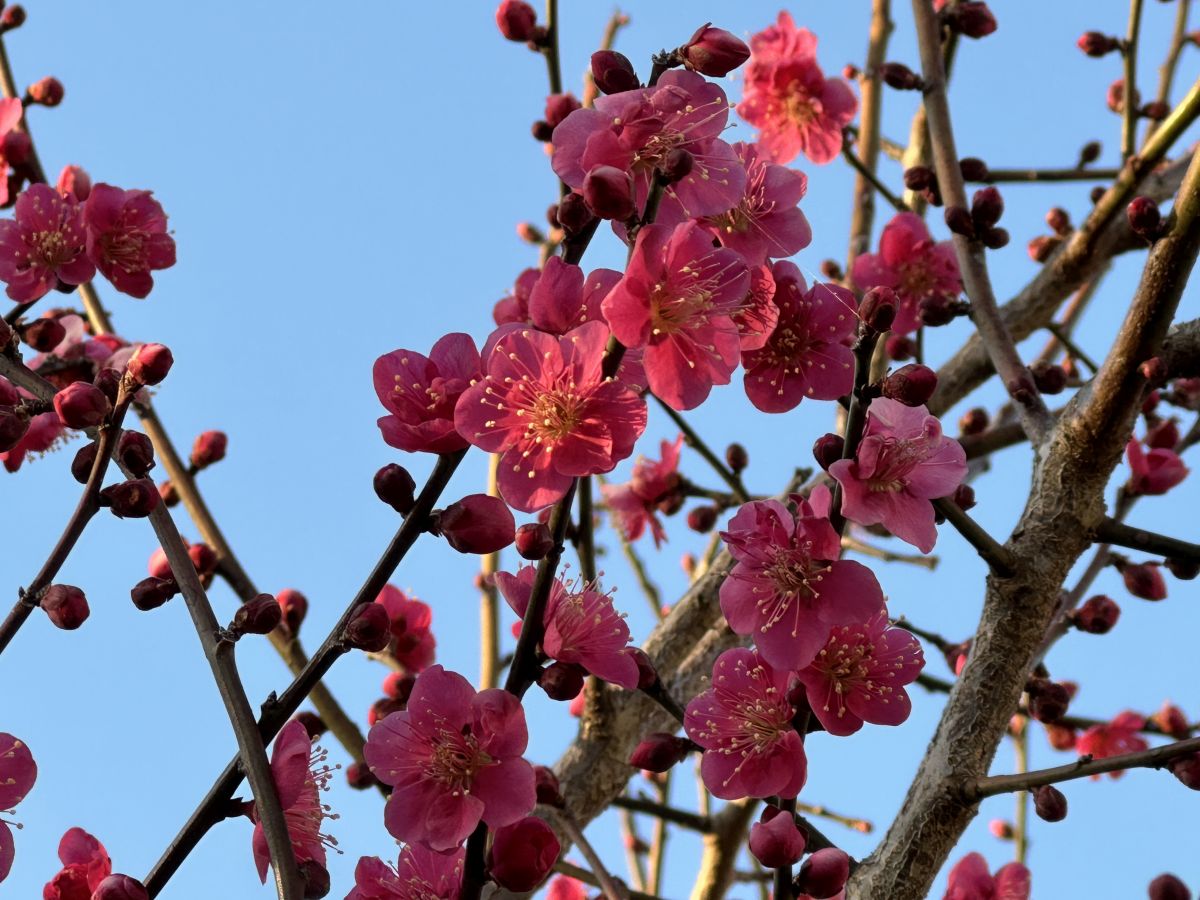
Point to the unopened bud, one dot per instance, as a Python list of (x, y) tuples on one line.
[(613, 72), (973, 421), (48, 91), (919, 178), (1172, 721), (74, 181), (1144, 218), (360, 777), (1058, 220), (516, 20), (736, 457), (81, 465), (151, 593), (828, 449), (133, 499), (901, 77), (1089, 153), (120, 887), (937, 310), (478, 523), (964, 497), (973, 169), (81, 405), (573, 213), (395, 487), (109, 383), (1183, 569), (775, 840), (313, 724), (831, 270), (170, 496), (900, 347), (1187, 769), (987, 206), (549, 791), (995, 238), (1049, 803), (1168, 887), (1155, 110), (369, 628), (1097, 615), (12, 17), (676, 166), (1001, 829), (208, 448), (136, 453), (530, 233), (1048, 700), (824, 873), (647, 674), (559, 106), (65, 606), (701, 519), (911, 385), (17, 147), (971, 18), (523, 854), (1144, 580), (1061, 737), (260, 615), (659, 751), (713, 52), (562, 681), (1049, 377), (959, 220), (877, 311), (608, 193), (399, 685), (534, 540), (150, 363), (1096, 44), (315, 879)]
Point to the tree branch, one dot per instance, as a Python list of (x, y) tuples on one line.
[(1111, 531)]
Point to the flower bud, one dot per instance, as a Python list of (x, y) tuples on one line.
[(1058, 220), (13, 426), (971, 18), (713, 52), (1049, 378), (1168, 887), (647, 674), (12, 17), (964, 497), (133, 499), (360, 777), (74, 181), (395, 487), (911, 385), (959, 221), (530, 233), (613, 72), (877, 311), (659, 751), (775, 840), (573, 213), (1048, 700), (676, 166), (1041, 247), (1061, 737), (516, 20), (901, 77), (523, 854), (150, 363), (43, 334), (208, 448), (383, 708), (542, 131), (314, 725), (260, 615), (736, 457), (974, 421), (919, 178), (1164, 434), (169, 495), (135, 453), (828, 449), (65, 606), (477, 523), (1097, 615), (48, 91), (900, 347), (1172, 721), (995, 238), (1183, 569), (830, 270), (534, 540), (549, 792), (315, 879), (399, 685), (987, 206), (1156, 110), (608, 193), (120, 887), (559, 106), (1144, 218), (81, 405), (824, 873), (109, 383), (294, 606), (81, 465), (1049, 803), (17, 147), (562, 681), (937, 310), (369, 628), (1144, 580), (1187, 769), (973, 169), (701, 519), (203, 557), (151, 593), (1096, 44), (1096, 193), (1001, 829)]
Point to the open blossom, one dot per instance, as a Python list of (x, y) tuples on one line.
[(808, 353), (789, 588), (85, 865), (44, 244), (412, 644), (911, 264), (788, 98), (420, 874), (581, 626), (300, 774), (420, 393), (43, 433), (18, 772), (453, 757), (744, 723), (970, 880), (127, 237), (634, 131), (1155, 471), (1121, 735), (768, 222), (655, 485), (758, 316), (860, 674), (546, 407), (677, 300), (903, 462), (560, 298), (514, 307)]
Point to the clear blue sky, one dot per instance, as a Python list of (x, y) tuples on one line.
[(343, 180)]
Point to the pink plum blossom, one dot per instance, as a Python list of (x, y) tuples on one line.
[(788, 588), (44, 432), (514, 307), (127, 237), (677, 300), (788, 98), (420, 874), (744, 723), (85, 865), (420, 394), (860, 674), (903, 462), (808, 352), (43, 245), (581, 626), (635, 130), (912, 265), (768, 222), (1121, 735), (758, 316), (970, 880), (655, 484), (546, 407), (11, 110), (563, 887), (18, 772), (453, 757), (1155, 471), (412, 644), (561, 298)]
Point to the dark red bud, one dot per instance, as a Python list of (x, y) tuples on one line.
[(65, 606), (48, 91), (203, 557), (676, 166), (1049, 702), (824, 873), (562, 681), (12, 17), (1096, 44), (901, 77), (1172, 721), (120, 887), (208, 448), (1041, 247), (659, 751), (313, 724), (899, 347), (360, 777), (315, 879), (559, 106), (877, 311), (1168, 887), (151, 593), (987, 206), (1049, 377), (974, 421), (81, 405), (613, 72), (399, 685), (478, 523), (1060, 737), (831, 270), (1096, 193), (1144, 580), (701, 519), (549, 792), (964, 497), (1097, 615), (516, 20), (81, 465), (534, 540), (828, 449), (261, 615), (1157, 110), (973, 169), (774, 841), (919, 178), (911, 385), (1144, 218), (17, 147), (169, 495), (937, 310), (995, 238), (1058, 220), (647, 674), (573, 213), (1154, 370), (608, 193), (109, 383), (1183, 569), (959, 220), (542, 131), (737, 457), (1187, 769), (384, 707), (395, 487), (150, 363), (523, 854), (714, 52), (136, 453), (13, 426), (971, 18), (133, 499), (369, 628), (1049, 803), (1089, 153)]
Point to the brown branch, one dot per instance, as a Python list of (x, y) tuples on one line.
[(616, 22), (1032, 176), (1166, 72), (489, 600), (1129, 55), (998, 558), (1181, 350), (689, 820), (1111, 531), (721, 848), (693, 440)]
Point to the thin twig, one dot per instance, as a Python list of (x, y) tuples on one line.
[(1129, 54), (689, 820), (1166, 72), (575, 833), (489, 600), (1111, 531), (696, 442), (995, 554), (1032, 176)]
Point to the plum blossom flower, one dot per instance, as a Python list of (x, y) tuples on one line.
[(514, 307), (788, 588), (1121, 735), (788, 98), (412, 644), (860, 674), (300, 773), (581, 626), (44, 244), (1155, 471), (420, 874), (903, 462), (808, 352), (677, 300), (11, 110), (127, 237), (912, 265), (634, 131), (561, 298), (420, 393), (85, 865), (970, 880), (563, 887), (768, 222), (43, 433), (18, 772), (546, 407), (757, 318), (655, 485), (744, 723), (453, 757)]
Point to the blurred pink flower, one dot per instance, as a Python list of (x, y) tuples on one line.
[(18, 772), (420, 874), (413, 644), (1121, 735), (970, 880), (655, 484)]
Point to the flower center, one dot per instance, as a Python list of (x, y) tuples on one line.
[(454, 759), (897, 458), (48, 249), (554, 415), (916, 280)]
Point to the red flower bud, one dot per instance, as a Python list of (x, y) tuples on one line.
[(1058, 220), (1183, 569), (676, 166), (964, 497), (559, 106), (1157, 110), (938, 310), (608, 193), (1048, 700), (516, 20), (647, 674), (974, 421), (971, 18), (313, 724), (150, 363), (1049, 803), (395, 487), (208, 448), (81, 465), (919, 178), (1093, 43), (1049, 378), (81, 405), (1097, 615), (1187, 769), (65, 606), (959, 220), (713, 52), (151, 593), (995, 238), (109, 383), (47, 91), (203, 557), (775, 840), (523, 854), (827, 449), (831, 270), (1144, 580), (562, 681), (17, 147), (1172, 721), (294, 606), (911, 385), (1061, 737), (824, 873), (315, 879), (900, 348), (659, 751), (534, 540), (1001, 829), (12, 17), (573, 213), (542, 131), (974, 169), (360, 777), (399, 685), (13, 426), (136, 453), (901, 77), (613, 72), (1168, 887), (701, 519), (169, 495), (549, 792), (134, 499), (736, 457), (120, 887), (73, 181), (477, 523), (1041, 247), (261, 615), (987, 206), (43, 334), (878, 309), (1144, 218), (368, 628)]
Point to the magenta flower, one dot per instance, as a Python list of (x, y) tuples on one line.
[(808, 353), (1121, 735), (545, 406), (514, 307), (903, 462), (635, 130), (420, 874), (18, 772), (44, 244), (11, 110), (43, 433), (789, 588), (768, 222), (744, 723), (413, 644), (912, 265), (677, 299), (300, 774), (970, 880), (758, 316), (453, 757), (581, 625), (127, 237), (788, 98), (562, 299), (563, 887), (860, 674), (1155, 471), (85, 865), (655, 485), (421, 392)]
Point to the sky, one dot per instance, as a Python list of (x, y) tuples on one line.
[(346, 179)]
